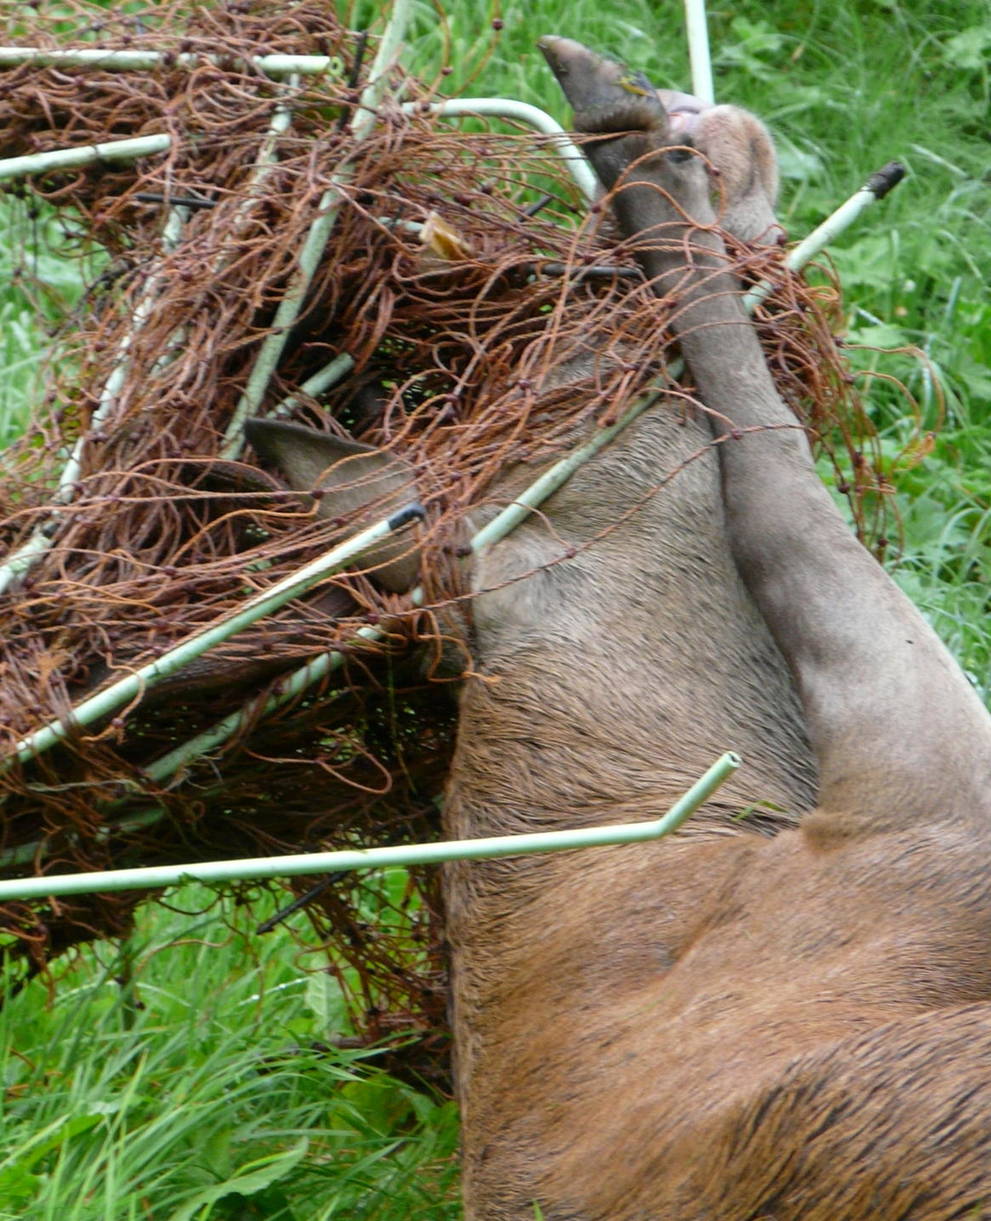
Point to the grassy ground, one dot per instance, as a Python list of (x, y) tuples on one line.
[(200, 1096), (184, 1076)]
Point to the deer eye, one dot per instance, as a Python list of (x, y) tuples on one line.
[(679, 155)]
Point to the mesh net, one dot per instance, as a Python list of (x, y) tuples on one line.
[(461, 266)]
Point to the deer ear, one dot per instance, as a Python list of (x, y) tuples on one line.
[(350, 477), (740, 147)]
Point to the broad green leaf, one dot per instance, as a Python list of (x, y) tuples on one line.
[(970, 49), (323, 999), (254, 1177)]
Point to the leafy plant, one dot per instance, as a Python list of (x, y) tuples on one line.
[(211, 1092)]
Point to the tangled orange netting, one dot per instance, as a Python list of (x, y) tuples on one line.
[(451, 292)]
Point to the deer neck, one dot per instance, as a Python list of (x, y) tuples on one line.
[(577, 715)]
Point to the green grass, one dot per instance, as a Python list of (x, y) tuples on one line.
[(206, 1101), (201, 1090), (42, 270)]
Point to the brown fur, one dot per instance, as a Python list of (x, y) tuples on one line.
[(739, 150), (722, 1025)]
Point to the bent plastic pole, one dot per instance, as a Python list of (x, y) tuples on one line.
[(532, 116), (85, 154), (370, 858), (262, 604), (103, 60)]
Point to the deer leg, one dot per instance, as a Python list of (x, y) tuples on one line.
[(897, 728)]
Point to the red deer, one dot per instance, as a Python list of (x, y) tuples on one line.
[(727, 1024)]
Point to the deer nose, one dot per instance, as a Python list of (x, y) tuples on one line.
[(684, 112)]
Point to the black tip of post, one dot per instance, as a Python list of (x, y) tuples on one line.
[(885, 179), (410, 512)]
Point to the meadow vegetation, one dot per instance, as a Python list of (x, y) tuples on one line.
[(185, 1075)]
